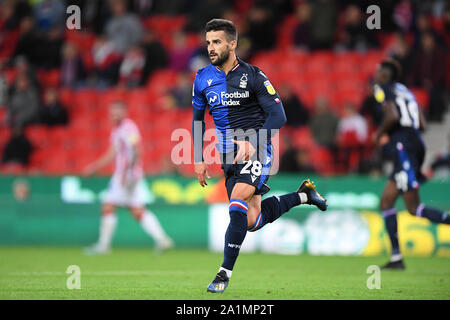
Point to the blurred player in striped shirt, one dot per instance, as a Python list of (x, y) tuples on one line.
[(127, 186)]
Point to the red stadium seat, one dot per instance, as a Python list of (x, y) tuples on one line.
[(84, 101), (370, 61), (323, 160), (38, 135), (161, 81), (49, 78), (421, 97), (84, 40), (303, 139)]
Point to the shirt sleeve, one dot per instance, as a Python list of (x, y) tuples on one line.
[(383, 93), (264, 90), (198, 99), (270, 101), (133, 135)]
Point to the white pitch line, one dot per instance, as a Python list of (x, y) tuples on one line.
[(104, 273)]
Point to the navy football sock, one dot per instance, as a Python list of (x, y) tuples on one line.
[(272, 208), (432, 214), (236, 231), (390, 220)]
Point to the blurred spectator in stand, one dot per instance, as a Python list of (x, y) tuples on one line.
[(400, 51), (155, 55), (296, 113), (3, 86), (18, 149), (73, 71), (199, 58), (30, 42), (441, 164), (180, 53), (352, 123), (422, 26), (200, 12), (94, 14), (144, 8), (351, 138), (302, 34), (23, 68), (182, 92), (106, 63), (124, 29), (52, 113), (403, 15), (8, 19), (323, 23), (446, 26), (261, 28), (40, 49), (132, 67), (23, 104), (52, 47), (21, 190), (372, 164), (323, 124), (295, 160), (50, 14), (12, 13), (428, 71), (370, 108), (356, 35)]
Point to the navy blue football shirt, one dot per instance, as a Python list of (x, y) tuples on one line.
[(242, 99)]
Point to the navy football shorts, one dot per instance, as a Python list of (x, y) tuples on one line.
[(252, 172), (408, 161)]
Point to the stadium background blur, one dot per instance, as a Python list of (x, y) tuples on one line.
[(320, 56), (56, 84)]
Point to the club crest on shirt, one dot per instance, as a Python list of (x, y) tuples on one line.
[(243, 81)]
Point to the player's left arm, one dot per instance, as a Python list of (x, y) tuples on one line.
[(391, 117), (198, 131), (422, 121), (134, 139), (271, 103)]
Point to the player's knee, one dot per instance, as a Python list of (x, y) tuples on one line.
[(243, 192), (108, 209), (137, 213), (412, 210), (385, 204)]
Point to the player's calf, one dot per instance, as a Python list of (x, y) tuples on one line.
[(274, 207), (432, 214)]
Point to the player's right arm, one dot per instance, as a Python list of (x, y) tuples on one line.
[(391, 116), (198, 131), (422, 121), (105, 159)]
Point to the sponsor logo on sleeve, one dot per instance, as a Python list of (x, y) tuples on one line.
[(269, 87)]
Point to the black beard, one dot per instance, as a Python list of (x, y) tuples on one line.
[(221, 59)]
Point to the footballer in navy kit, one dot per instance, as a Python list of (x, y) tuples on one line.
[(247, 112), (402, 142)]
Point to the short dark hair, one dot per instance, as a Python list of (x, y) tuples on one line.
[(223, 25), (394, 68)]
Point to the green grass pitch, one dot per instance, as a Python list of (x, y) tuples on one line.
[(40, 273)]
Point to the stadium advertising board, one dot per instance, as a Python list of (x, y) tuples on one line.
[(65, 211)]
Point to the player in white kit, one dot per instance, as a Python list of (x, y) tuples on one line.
[(127, 186)]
